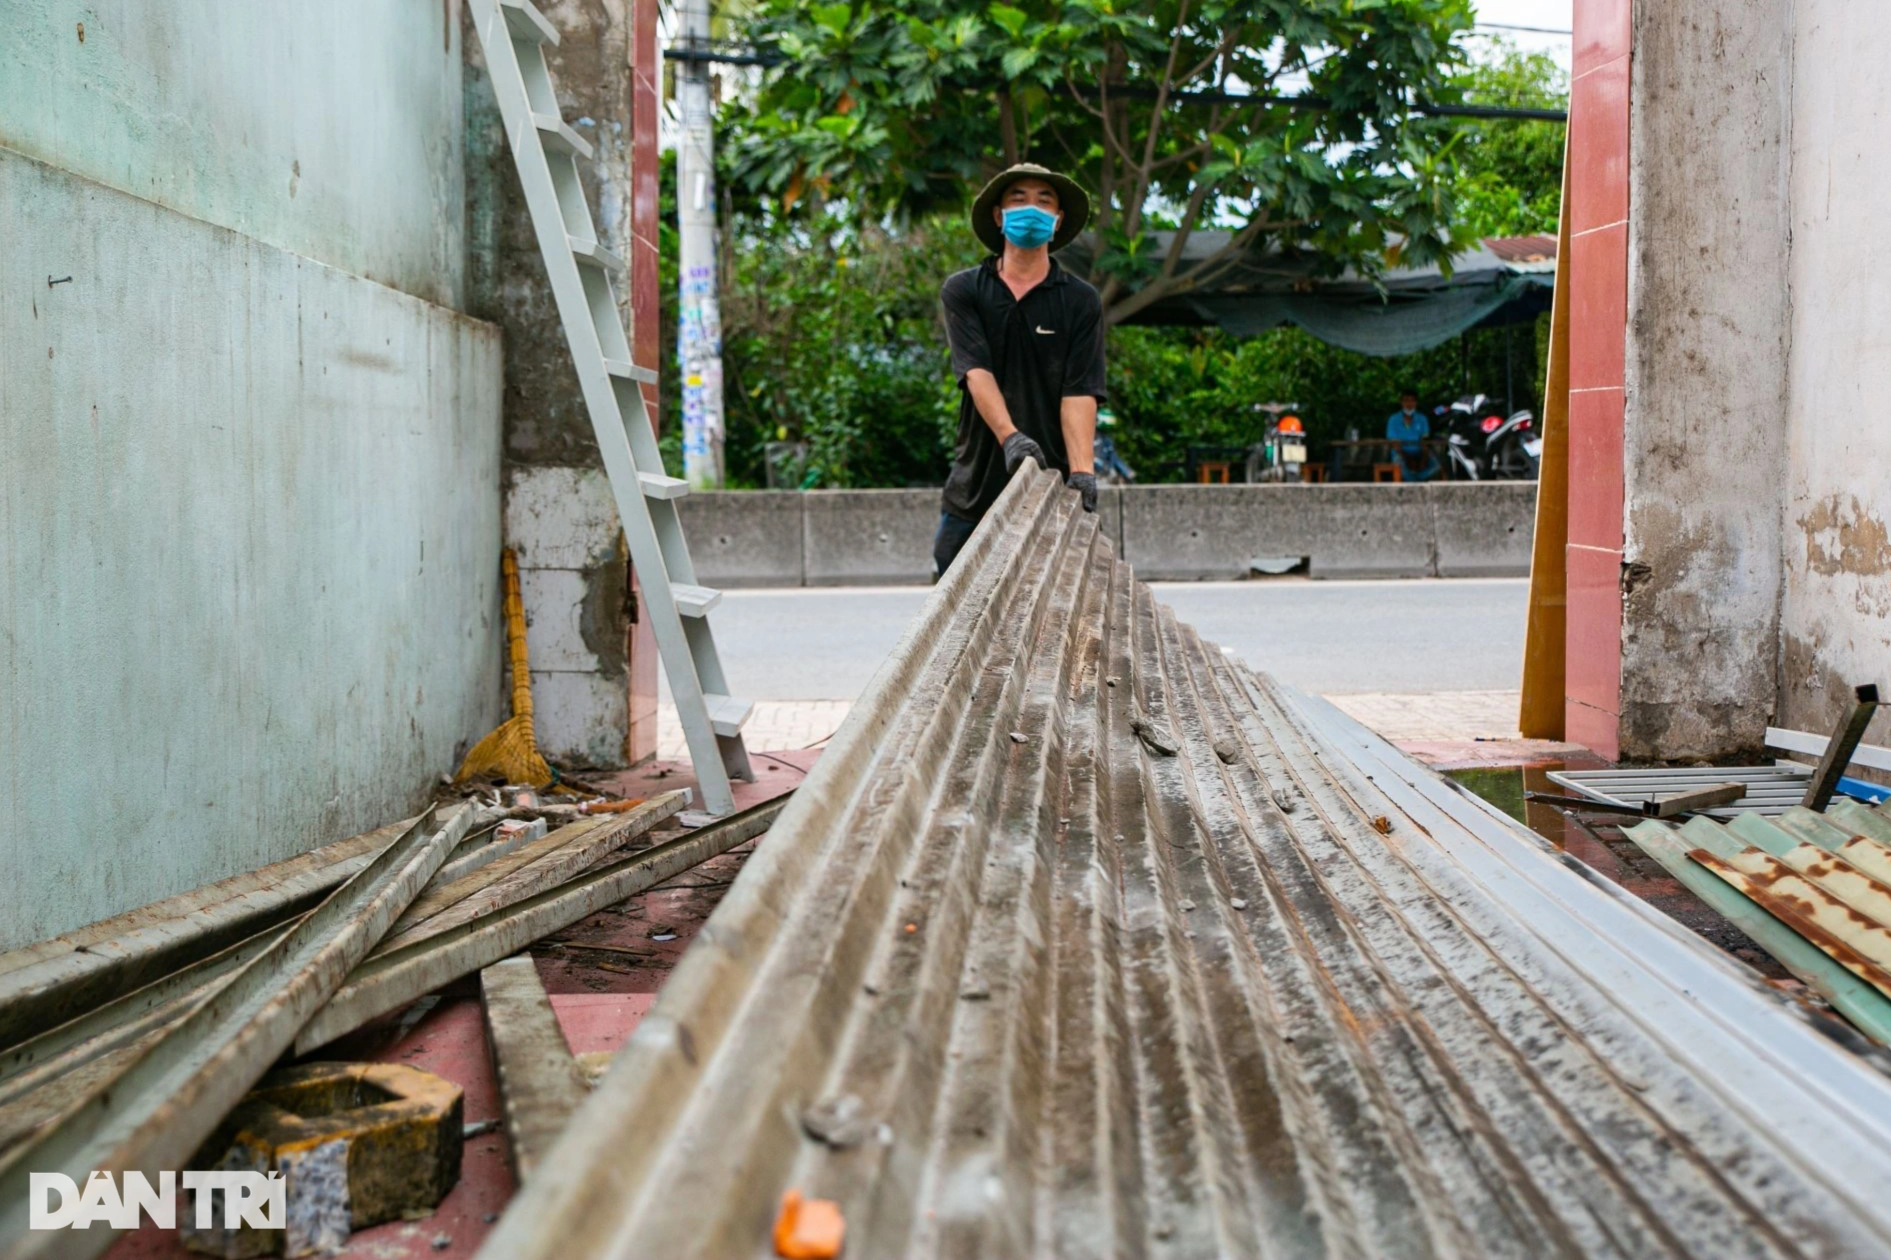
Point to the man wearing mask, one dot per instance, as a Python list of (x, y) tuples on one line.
[(1027, 348), (1408, 427)]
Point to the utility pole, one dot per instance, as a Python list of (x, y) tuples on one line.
[(699, 321)]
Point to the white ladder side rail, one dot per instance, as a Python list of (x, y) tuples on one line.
[(577, 268)]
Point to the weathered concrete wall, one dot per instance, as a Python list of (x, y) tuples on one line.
[(1185, 533), (1836, 614), (249, 528), (330, 130), (1704, 445)]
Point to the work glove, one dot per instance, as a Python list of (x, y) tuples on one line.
[(1084, 484), (1019, 448)]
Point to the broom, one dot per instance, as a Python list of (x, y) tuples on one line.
[(511, 751)]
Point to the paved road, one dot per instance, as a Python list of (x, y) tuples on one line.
[(1458, 635)]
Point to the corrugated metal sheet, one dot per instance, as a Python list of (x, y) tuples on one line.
[(1825, 877), (1083, 940)]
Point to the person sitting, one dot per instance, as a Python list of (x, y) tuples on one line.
[(1408, 427)]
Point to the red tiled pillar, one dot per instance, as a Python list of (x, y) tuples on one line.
[(645, 339), (1598, 326)]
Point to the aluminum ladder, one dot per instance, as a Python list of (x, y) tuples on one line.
[(546, 150)]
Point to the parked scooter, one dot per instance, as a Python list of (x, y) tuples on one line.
[(1284, 451), (1484, 446)]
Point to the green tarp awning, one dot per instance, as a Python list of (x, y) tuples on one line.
[(1506, 280)]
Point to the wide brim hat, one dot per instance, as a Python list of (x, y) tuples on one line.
[(1072, 200)]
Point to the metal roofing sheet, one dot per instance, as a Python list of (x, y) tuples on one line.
[(1084, 940)]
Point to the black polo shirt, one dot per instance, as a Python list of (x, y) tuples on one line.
[(1042, 350)]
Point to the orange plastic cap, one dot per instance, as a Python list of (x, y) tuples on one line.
[(808, 1229)]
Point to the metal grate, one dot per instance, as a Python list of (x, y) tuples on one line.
[(1771, 790)]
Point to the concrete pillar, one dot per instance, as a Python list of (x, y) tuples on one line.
[(1705, 376), (594, 675)]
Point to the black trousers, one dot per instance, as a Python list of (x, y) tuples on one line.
[(954, 532)]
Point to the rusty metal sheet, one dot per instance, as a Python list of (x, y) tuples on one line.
[(1858, 942), (1084, 940)]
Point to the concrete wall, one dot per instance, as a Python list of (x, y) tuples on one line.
[(1704, 443), (249, 509), (1836, 612), (884, 537), (249, 524), (329, 130)]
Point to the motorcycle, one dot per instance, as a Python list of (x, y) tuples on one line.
[(1283, 452), (1484, 446)]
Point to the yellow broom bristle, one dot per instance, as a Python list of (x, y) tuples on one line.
[(511, 750)]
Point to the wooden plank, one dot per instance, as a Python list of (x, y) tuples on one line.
[(390, 980), (540, 1084), (1540, 712), (156, 1112), (47, 983), (1694, 798), (1838, 751), (545, 865)]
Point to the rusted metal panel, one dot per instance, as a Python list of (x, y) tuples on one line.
[(1084, 940)]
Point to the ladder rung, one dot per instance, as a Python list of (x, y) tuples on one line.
[(630, 371), (525, 22), (658, 486), (726, 713), (595, 254), (559, 136), (694, 601)]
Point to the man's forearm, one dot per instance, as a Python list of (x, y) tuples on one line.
[(990, 401), (1078, 418)]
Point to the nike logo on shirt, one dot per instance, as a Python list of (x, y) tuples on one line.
[(1048, 332)]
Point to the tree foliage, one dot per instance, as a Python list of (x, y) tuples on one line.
[(1507, 173), (1169, 111)]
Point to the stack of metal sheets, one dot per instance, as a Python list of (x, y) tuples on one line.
[(1084, 940)]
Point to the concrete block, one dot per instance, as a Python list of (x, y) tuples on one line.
[(870, 537), (580, 718), (745, 537), (561, 518), (554, 608), (357, 1144), (1484, 529), (1181, 533)]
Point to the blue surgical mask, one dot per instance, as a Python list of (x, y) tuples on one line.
[(1028, 227)]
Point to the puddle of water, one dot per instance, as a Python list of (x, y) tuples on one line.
[(1504, 786)]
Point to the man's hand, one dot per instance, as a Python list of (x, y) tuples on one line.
[(1019, 448), (1084, 484)]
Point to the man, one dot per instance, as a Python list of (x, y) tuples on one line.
[(1408, 427), (1027, 348)]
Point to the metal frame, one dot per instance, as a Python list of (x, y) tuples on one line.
[(512, 34)]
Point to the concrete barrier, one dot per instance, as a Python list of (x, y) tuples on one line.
[(868, 537), (1172, 533), (745, 537)]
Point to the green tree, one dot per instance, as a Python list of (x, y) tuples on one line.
[(1169, 111), (1507, 175)]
